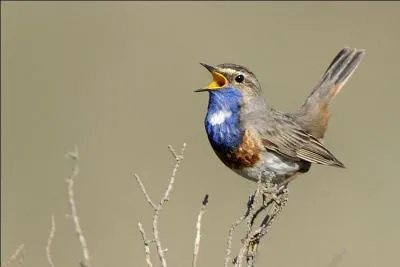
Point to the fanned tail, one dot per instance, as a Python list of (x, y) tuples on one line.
[(314, 113)]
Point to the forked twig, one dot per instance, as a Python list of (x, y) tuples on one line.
[(250, 214), (157, 208), (228, 250), (266, 198)]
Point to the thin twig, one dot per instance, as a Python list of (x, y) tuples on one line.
[(338, 258), (74, 155), (273, 200), (20, 262), (228, 250), (143, 188), (198, 228), (164, 199), (50, 241), (146, 245), (248, 235), (277, 202), (178, 159), (157, 208), (18, 252), (251, 209)]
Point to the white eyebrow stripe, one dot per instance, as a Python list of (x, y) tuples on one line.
[(232, 71)]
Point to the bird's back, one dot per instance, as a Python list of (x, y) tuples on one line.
[(284, 134)]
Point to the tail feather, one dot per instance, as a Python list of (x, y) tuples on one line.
[(314, 113), (336, 75)]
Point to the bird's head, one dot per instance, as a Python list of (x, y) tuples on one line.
[(231, 76)]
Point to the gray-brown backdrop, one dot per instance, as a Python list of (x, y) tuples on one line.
[(117, 79)]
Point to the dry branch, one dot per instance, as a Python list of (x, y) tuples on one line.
[(198, 230), (18, 253), (267, 198), (50, 241), (338, 258), (157, 209), (146, 244), (74, 156)]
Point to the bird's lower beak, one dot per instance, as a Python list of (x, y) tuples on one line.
[(219, 80)]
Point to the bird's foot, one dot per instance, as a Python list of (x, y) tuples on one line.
[(275, 192)]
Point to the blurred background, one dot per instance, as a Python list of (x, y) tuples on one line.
[(117, 79)]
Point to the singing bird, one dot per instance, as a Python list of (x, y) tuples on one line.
[(259, 142)]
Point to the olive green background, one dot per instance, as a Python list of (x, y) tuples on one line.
[(117, 79)]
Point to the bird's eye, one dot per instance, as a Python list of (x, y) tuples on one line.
[(239, 78)]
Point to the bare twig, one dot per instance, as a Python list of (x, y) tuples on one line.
[(157, 208), (146, 244), (18, 252), (228, 250), (266, 198), (50, 241), (164, 199), (251, 212), (20, 262), (338, 258), (198, 228), (178, 159), (278, 199), (74, 155), (143, 188)]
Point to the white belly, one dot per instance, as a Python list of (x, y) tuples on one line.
[(270, 167)]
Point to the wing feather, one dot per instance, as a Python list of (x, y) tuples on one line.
[(281, 133)]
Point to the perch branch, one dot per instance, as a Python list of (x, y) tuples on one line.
[(250, 214), (74, 156), (198, 229), (267, 198), (228, 250), (50, 241), (277, 200)]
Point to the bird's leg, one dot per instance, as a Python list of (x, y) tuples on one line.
[(272, 189)]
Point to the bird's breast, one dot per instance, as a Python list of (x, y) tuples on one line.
[(245, 155), (223, 129)]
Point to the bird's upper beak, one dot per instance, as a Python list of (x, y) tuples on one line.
[(219, 80)]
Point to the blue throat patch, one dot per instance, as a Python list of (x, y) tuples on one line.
[(222, 120)]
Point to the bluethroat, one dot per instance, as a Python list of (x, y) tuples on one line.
[(259, 142)]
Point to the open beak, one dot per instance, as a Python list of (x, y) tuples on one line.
[(219, 80)]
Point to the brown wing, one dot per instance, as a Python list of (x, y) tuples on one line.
[(285, 136)]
